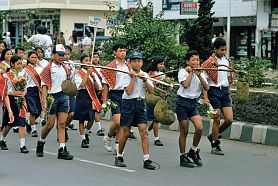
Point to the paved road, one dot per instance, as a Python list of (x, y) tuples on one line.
[(243, 164)]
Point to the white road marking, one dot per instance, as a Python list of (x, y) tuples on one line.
[(93, 162)]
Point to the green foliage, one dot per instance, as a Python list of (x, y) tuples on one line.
[(199, 32), (142, 32), (255, 67)]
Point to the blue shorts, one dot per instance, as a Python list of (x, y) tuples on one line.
[(18, 121), (116, 97), (61, 103), (33, 101), (150, 113), (83, 105), (71, 104), (219, 97), (133, 112), (186, 108)]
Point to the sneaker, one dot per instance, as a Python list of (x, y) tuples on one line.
[(132, 136), (87, 138), (107, 143), (43, 122), (64, 154), (185, 161), (24, 150), (84, 143), (158, 143), (119, 162), (115, 149), (217, 150), (39, 149), (72, 126), (210, 137), (195, 156), (34, 133), (148, 164), (66, 134), (3, 145), (100, 132)]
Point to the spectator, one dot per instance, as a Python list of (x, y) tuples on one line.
[(61, 39)]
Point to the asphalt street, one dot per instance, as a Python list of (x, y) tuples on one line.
[(243, 164)]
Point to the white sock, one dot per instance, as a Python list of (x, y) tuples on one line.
[(156, 138), (131, 129), (83, 137), (146, 157), (98, 126), (2, 137), (194, 148), (120, 155), (62, 145), (42, 140), (22, 142), (33, 128), (85, 131)]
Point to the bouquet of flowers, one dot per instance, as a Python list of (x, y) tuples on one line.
[(211, 112), (49, 103), (106, 106), (19, 84)]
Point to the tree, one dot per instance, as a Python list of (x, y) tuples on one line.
[(199, 32), (142, 32)]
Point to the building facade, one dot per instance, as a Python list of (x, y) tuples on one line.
[(23, 16)]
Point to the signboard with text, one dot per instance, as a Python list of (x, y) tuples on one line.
[(173, 5), (188, 8), (97, 22)]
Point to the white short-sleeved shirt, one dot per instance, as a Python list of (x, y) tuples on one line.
[(119, 76), (10, 87), (78, 80), (44, 41), (139, 90), (222, 75), (58, 75), (43, 63), (87, 41), (195, 88), (30, 81)]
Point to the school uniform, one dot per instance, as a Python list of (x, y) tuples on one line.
[(219, 93), (53, 76), (43, 63), (187, 98), (19, 114), (133, 107), (33, 95), (86, 100), (115, 81)]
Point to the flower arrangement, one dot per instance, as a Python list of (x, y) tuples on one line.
[(19, 84), (211, 112), (106, 106)]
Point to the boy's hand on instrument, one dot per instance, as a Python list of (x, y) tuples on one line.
[(132, 74), (198, 72), (142, 76), (188, 69)]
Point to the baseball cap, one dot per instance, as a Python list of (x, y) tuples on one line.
[(60, 49), (136, 55)]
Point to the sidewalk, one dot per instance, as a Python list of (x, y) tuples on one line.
[(240, 131)]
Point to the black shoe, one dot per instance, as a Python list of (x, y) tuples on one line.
[(72, 127), (3, 145), (34, 133), (158, 143), (15, 130), (64, 154), (87, 138), (28, 128), (210, 137), (132, 136), (148, 164), (84, 143), (119, 162), (24, 150), (185, 161), (66, 135), (43, 122), (100, 132), (195, 156), (39, 149)]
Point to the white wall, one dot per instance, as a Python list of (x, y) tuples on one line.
[(69, 17)]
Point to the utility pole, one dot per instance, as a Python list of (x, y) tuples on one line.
[(228, 29)]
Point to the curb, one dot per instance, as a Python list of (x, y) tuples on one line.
[(240, 131)]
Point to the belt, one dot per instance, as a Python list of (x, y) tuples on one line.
[(136, 99), (221, 88)]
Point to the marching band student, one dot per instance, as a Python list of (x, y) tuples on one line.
[(42, 62), (133, 109), (219, 93), (114, 89), (87, 102), (53, 75), (3, 45), (155, 68), (100, 130), (191, 83), (33, 96), (20, 52), (5, 59), (19, 113)]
